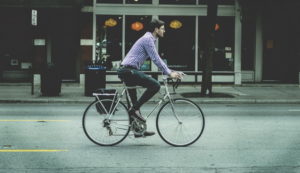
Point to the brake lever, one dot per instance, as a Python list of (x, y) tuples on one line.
[(176, 84)]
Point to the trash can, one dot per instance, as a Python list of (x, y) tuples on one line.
[(95, 78), (50, 80)]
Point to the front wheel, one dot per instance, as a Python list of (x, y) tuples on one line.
[(106, 123), (180, 123)]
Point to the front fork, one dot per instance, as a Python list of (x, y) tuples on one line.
[(173, 110)]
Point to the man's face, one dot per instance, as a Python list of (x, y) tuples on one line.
[(160, 31)]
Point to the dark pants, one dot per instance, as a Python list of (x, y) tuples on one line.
[(133, 77)]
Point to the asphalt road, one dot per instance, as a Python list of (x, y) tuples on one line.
[(237, 138)]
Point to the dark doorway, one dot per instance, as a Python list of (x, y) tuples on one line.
[(281, 42), (62, 28), (15, 44)]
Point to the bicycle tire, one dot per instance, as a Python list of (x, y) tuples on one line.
[(101, 131), (191, 116)]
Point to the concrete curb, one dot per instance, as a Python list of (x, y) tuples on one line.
[(199, 101), (264, 94)]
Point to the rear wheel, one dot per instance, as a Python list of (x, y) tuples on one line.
[(106, 123)]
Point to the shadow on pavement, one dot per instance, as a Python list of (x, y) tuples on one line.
[(213, 95)]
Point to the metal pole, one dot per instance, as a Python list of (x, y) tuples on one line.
[(32, 80)]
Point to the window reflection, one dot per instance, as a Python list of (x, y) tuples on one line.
[(177, 48), (110, 1), (220, 2), (109, 41), (139, 1), (224, 43), (135, 28), (177, 1)]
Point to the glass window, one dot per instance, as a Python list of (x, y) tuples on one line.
[(177, 1), (139, 1), (220, 2), (110, 1), (135, 28), (109, 40), (224, 43), (177, 47)]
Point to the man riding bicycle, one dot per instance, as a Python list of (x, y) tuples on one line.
[(130, 73)]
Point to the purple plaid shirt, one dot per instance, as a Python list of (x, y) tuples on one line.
[(142, 49)]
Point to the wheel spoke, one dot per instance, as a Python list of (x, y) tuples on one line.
[(103, 131), (184, 133)]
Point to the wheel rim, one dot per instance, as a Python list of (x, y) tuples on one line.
[(102, 131), (187, 130)]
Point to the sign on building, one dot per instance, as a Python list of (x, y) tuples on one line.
[(34, 17)]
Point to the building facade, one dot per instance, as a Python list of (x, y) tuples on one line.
[(254, 40), (34, 33)]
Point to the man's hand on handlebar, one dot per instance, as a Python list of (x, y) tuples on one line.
[(176, 75)]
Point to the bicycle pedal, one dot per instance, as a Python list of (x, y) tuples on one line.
[(144, 134)]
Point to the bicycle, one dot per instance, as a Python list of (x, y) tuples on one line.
[(179, 122)]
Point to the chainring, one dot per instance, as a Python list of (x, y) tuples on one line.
[(138, 126)]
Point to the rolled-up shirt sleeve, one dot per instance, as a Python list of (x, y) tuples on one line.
[(153, 54)]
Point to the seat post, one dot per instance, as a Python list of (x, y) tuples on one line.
[(128, 99)]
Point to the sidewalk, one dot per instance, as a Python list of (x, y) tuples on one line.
[(248, 93)]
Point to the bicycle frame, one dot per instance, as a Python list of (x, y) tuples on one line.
[(173, 118), (166, 96)]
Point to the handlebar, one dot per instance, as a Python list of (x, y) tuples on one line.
[(171, 81), (174, 83)]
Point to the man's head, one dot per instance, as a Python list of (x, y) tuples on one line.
[(157, 27)]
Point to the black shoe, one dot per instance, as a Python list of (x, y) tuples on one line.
[(138, 116), (146, 133)]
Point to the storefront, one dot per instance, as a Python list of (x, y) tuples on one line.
[(118, 24), (270, 41), (256, 41), (281, 53)]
